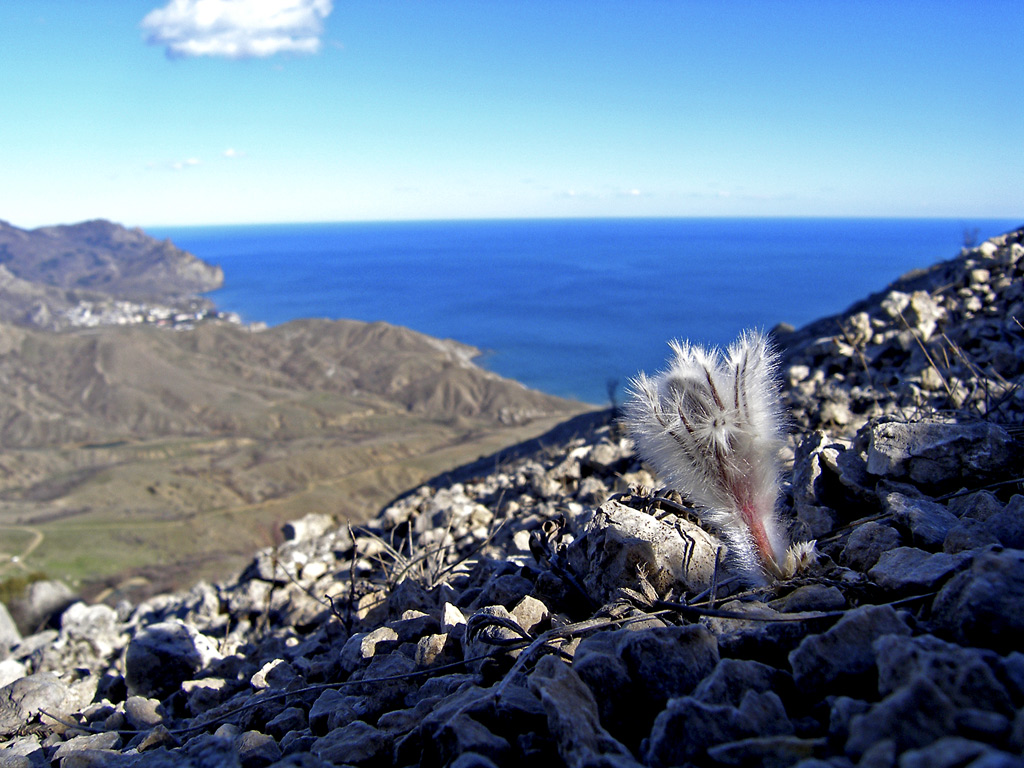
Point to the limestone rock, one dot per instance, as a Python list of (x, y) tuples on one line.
[(868, 542), (572, 713), (621, 545), (984, 606), (914, 715), (927, 522), (22, 701), (163, 655), (907, 569), (937, 453), (843, 657)]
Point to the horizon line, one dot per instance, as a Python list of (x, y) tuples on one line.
[(501, 219), (496, 219)]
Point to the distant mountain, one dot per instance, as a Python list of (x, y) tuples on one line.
[(47, 271), (105, 257)]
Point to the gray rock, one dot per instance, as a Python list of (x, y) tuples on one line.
[(309, 527), (766, 713), (811, 597), (256, 750), (211, 750), (17, 761), (670, 661), (506, 590), (620, 542), (163, 655), (866, 544), (391, 684), (275, 674), (462, 733), (765, 635), (361, 647), (205, 693), (9, 634), (704, 725), (914, 715), (946, 752), (686, 728), (982, 725), (1016, 740), (41, 602), (413, 625), (924, 313), (357, 743), (529, 613), (473, 760), (1007, 525), (853, 473), (27, 748), (598, 664), (984, 605), (966, 675), (11, 670), (968, 534), (93, 741), (809, 486), (763, 751), (980, 505), (1011, 672), (572, 714), (841, 712), (907, 569), (843, 658), (732, 678), (142, 713), (934, 453), (22, 700), (816, 521), (90, 634), (331, 710), (927, 521), (288, 719)]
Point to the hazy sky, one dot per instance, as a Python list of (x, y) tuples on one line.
[(231, 111)]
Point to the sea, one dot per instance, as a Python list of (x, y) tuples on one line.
[(572, 307)]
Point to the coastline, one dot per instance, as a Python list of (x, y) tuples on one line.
[(565, 306)]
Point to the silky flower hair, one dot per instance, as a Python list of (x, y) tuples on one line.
[(711, 427)]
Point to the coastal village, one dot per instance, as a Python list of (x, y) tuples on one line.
[(93, 314)]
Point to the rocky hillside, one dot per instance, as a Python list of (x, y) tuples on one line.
[(47, 272), (550, 604), (225, 379), (121, 442)]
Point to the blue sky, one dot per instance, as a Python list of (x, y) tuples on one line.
[(150, 112)]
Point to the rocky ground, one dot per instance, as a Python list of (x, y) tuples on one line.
[(550, 604)]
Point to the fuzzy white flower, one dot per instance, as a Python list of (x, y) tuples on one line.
[(711, 427)]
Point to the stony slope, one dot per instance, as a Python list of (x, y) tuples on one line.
[(498, 614)]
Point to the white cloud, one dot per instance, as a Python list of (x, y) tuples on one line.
[(231, 153), (237, 28)]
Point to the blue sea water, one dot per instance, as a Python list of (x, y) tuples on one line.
[(568, 306)]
